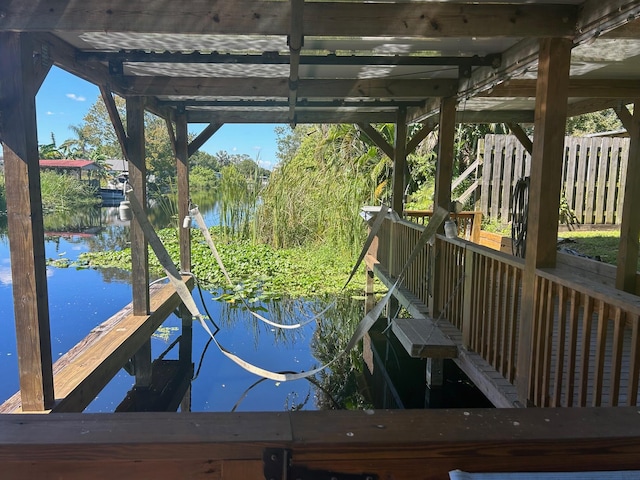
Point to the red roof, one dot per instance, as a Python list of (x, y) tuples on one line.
[(80, 164)]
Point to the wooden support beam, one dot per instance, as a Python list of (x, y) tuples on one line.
[(202, 137), (399, 162), (578, 87), (302, 116), (385, 443), (522, 136), (630, 229), (18, 131), (182, 158), (247, 17), (420, 135), (116, 120), (442, 194), (172, 136), (375, 136), (444, 167), (625, 116), (279, 87), (138, 181), (295, 40), (544, 190)]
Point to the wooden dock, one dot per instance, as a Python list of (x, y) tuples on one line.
[(81, 373)]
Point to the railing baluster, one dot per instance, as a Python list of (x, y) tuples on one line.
[(515, 300), (634, 362), (574, 316), (601, 344), (616, 357), (560, 339), (587, 320), (547, 342)]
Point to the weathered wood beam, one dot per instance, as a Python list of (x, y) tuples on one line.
[(399, 162), (172, 136), (202, 137), (597, 18), (279, 87), (494, 116), (386, 443), (627, 260), (275, 58), (426, 19), (363, 104), (625, 116), (302, 116), (375, 136), (116, 120), (18, 132), (444, 165), (590, 105), (544, 190), (522, 136), (420, 135), (182, 158), (588, 88), (295, 40), (138, 181)]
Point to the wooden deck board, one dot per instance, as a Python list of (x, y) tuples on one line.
[(422, 338), (83, 371)]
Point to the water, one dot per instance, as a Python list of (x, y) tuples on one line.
[(79, 300)]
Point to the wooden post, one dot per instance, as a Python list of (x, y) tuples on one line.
[(182, 156), (139, 251), (442, 195), (18, 86), (399, 161), (630, 228), (138, 181), (544, 191)]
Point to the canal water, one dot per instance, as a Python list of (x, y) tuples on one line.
[(80, 299)]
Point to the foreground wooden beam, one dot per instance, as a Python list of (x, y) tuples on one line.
[(245, 17), (389, 444), (19, 83), (586, 88), (544, 190)]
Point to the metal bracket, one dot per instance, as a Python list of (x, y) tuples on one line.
[(278, 466)]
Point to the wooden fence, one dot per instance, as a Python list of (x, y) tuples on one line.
[(593, 176)]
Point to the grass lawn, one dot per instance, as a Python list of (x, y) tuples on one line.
[(595, 243)]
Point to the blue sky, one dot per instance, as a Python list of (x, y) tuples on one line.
[(63, 100)]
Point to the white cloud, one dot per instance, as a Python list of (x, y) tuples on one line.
[(50, 113), (77, 98), (5, 276)]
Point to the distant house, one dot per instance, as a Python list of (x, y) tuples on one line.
[(117, 166), (72, 167)]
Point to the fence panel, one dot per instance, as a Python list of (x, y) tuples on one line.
[(593, 176)]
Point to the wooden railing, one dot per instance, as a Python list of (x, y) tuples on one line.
[(586, 335), (586, 344), (468, 223)]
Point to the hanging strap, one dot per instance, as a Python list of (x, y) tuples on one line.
[(185, 295), (195, 213)]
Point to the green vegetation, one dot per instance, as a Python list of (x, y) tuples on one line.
[(61, 193), (602, 243), (258, 271)]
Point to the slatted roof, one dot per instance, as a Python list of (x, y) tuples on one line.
[(335, 61)]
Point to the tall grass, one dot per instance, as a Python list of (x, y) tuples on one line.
[(314, 198), (238, 199), (61, 193)]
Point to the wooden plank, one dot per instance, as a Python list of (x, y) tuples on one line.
[(421, 338), (24, 220), (498, 164), (432, 19), (302, 116), (634, 360), (587, 322), (577, 87), (591, 156), (601, 182), (601, 346), (560, 357), (624, 165), (612, 182), (616, 354), (279, 87), (444, 166), (544, 190), (83, 371), (487, 165), (571, 184), (572, 349)]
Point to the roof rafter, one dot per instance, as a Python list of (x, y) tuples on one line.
[(302, 116)]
